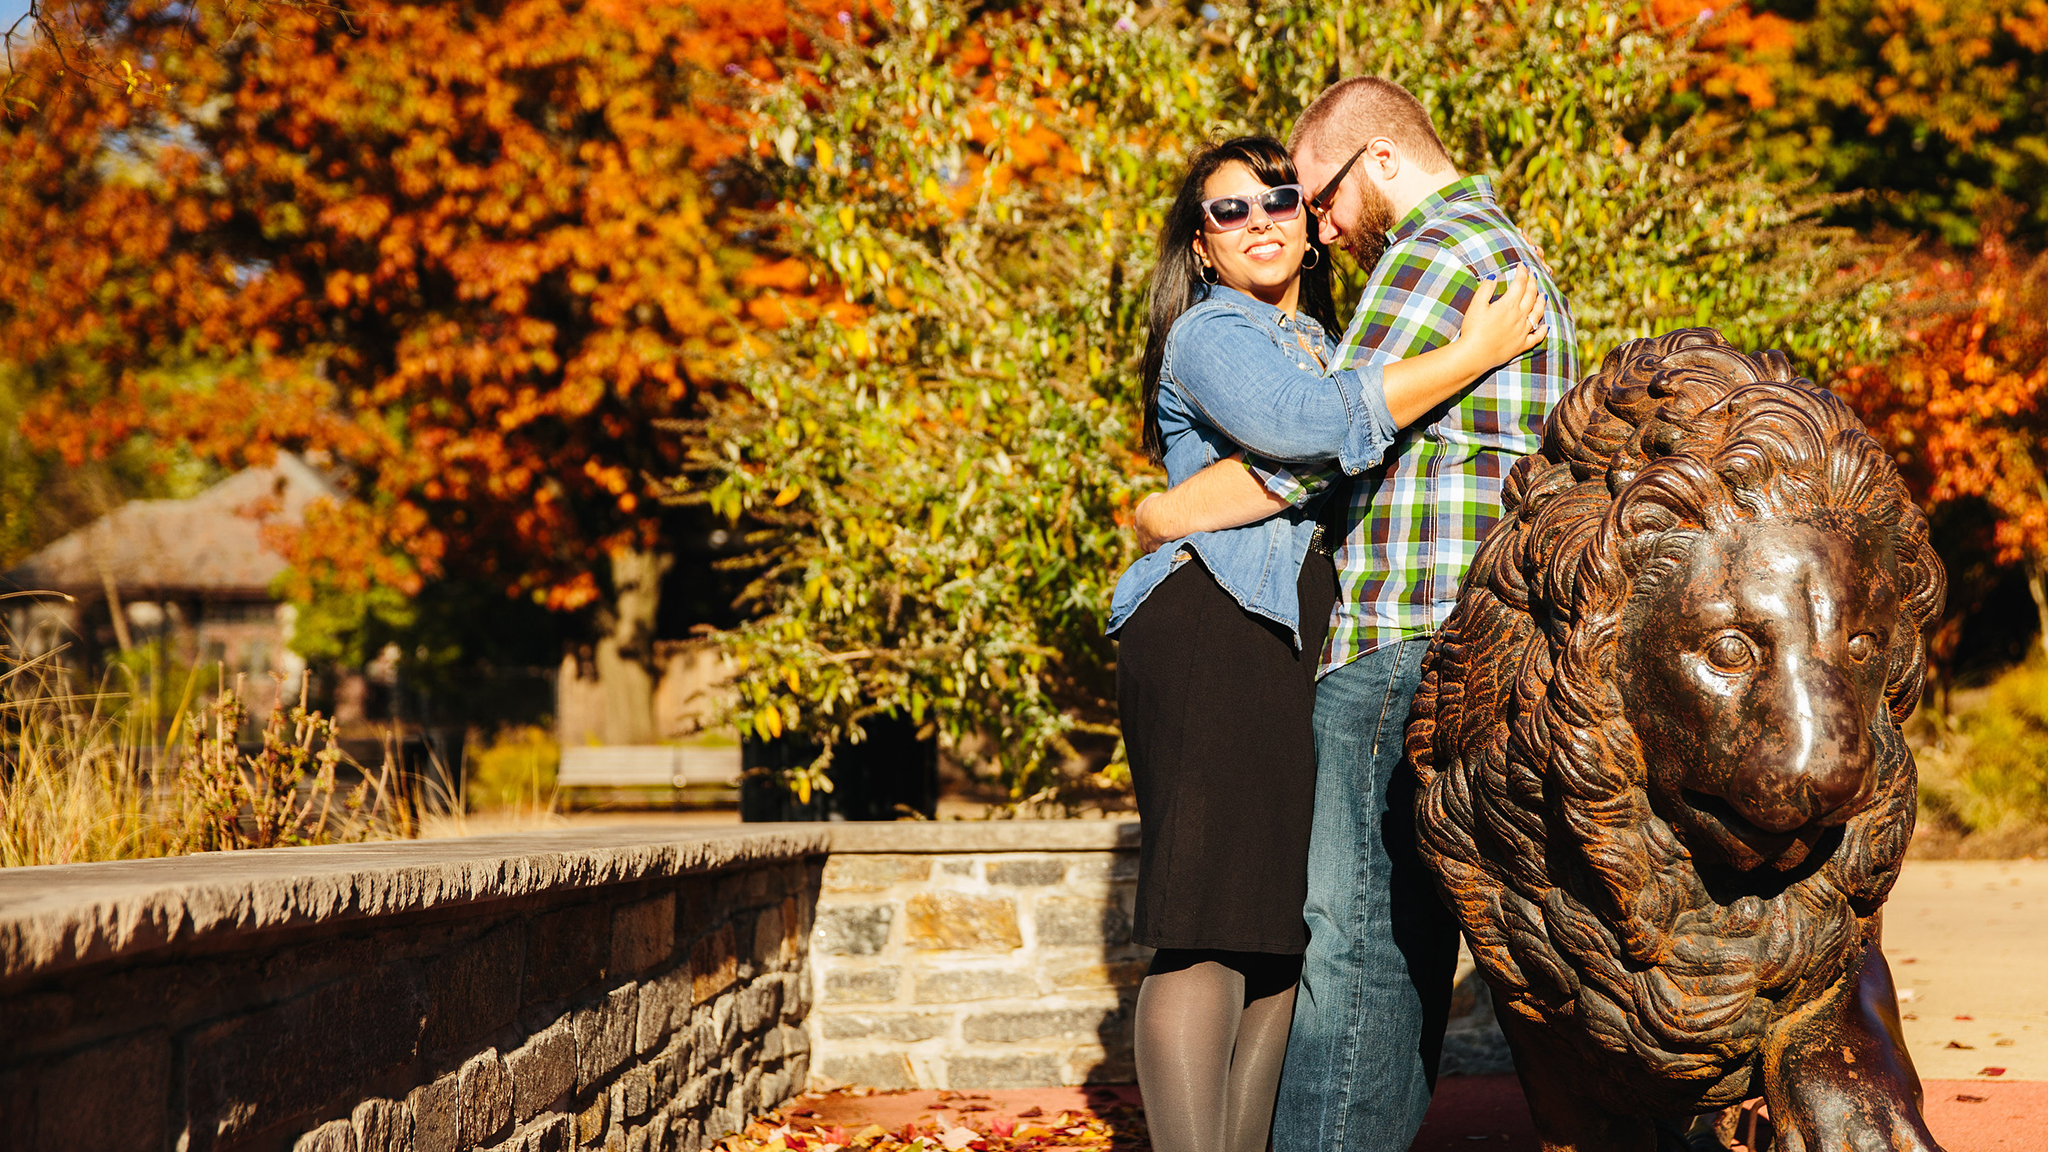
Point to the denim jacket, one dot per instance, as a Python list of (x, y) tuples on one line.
[(1242, 374)]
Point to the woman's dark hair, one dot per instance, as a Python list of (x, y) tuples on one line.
[(1177, 283)]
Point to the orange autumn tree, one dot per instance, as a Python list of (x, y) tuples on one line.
[(1964, 403), (466, 253), (1935, 108)]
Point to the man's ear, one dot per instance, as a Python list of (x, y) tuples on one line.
[(1385, 157)]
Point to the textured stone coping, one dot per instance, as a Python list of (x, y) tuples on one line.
[(53, 918), (919, 836)]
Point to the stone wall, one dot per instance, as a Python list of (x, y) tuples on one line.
[(535, 992), (609, 989), (977, 954)]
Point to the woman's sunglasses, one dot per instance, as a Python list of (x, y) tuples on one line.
[(1229, 213)]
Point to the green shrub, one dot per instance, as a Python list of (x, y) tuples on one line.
[(517, 770), (942, 459), (1985, 780)]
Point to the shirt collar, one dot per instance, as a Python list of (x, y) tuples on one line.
[(1465, 189), (1260, 307)]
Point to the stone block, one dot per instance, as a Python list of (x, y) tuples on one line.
[(1115, 974), (796, 1039), (853, 929), (643, 935), (1110, 867), (759, 1003), (795, 934), (590, 1125), (542, 1069), (29, 1017), (941, 921), (635, 1092), (333, 1136), (71, 1098), (774, 1088), (249, 1072), (713, 967), (550, 1135), (1027, 872), (638, 1141), (1081, 920), (664, 1004), (750, 1091), (862, 985), (873, 873), (1021, 1070), (436, 1115), (382, 1126), (1099, 1064), (484, 1089), (469, 992), (705, 1042), (872, 1070), (957, 867), (768, 938), (604, 1036), (901, 1027), (797, 992), (1039, 1024), (955, 986), (566, 952)]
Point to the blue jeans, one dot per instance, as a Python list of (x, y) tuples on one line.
[(1376, 982)]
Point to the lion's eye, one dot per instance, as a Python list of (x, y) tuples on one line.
[(1730, 654), (1862, 646)]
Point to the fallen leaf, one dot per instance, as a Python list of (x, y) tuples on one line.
[(1990, 1071), (1958, 1044), (1966, 1098), (1966, 1017), (1031, 1112)]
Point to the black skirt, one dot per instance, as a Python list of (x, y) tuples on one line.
[(1218, 712)]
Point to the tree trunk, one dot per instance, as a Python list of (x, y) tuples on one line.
[(625, 646), (2037, 583)]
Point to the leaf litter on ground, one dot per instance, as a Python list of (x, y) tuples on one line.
[(798, 1127)]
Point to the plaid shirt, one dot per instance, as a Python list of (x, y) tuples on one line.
[(1417, 519)]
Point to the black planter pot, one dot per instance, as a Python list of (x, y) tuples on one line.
[(876, 779)]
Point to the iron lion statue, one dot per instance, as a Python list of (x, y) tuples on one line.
[(1663, 786)]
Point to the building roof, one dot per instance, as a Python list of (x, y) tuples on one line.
[(210, 544)]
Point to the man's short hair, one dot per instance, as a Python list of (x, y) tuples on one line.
[(1351, 112)]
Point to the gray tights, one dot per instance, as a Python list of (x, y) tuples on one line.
[(1211, 1036)]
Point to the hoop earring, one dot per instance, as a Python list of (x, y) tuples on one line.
[(1317, 258), (1207, 271)]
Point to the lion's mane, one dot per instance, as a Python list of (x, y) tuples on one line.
[(1583, 908)]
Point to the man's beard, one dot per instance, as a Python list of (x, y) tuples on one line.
[(1367, 241)]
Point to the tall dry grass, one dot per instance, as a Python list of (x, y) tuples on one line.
[(95, 774)]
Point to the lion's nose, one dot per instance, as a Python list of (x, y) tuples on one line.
[(1813, 759)]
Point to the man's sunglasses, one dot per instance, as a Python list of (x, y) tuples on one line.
[(1229, 213), (1320, 203)]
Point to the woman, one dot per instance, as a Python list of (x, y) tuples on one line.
[(1220, 632)]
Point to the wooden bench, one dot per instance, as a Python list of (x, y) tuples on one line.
[(675, 766)]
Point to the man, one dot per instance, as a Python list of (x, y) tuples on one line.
[(1375, 986)]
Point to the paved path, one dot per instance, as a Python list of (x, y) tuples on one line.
[(1968, 942)]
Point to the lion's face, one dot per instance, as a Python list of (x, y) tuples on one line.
[(1753, 670)]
